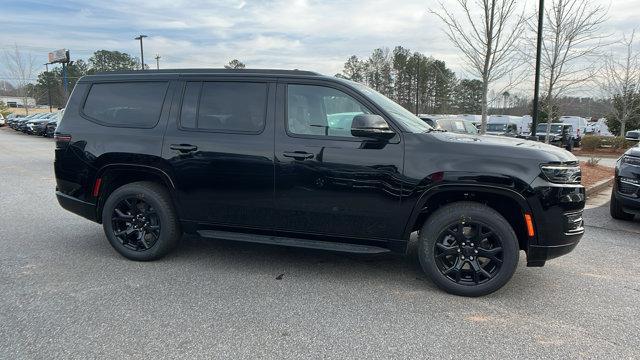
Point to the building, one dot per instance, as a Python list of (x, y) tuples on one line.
[(17, 102)]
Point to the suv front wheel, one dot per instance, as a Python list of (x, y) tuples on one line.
[(468, 249), (140, 221)]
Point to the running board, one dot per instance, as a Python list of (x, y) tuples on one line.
[(293, 242)]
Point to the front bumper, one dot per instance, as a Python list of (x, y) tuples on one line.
[(557, 215), (630, 203), (626, 187)]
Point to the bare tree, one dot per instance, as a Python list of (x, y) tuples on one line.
[(488, 42), (571, 37), (620, 81), (20, 68)]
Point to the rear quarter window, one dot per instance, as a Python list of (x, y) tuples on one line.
[(126, 104)]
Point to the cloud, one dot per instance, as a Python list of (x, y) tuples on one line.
[(305, 34)]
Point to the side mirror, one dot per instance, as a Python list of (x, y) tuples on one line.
[(371, 126)]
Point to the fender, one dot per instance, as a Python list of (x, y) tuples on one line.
[(168, 181), (117, 166), (444, 187)]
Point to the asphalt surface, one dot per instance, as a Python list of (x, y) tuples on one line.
[(65, 293)]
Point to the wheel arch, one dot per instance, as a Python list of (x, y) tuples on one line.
[(115, 175), (509, 203)]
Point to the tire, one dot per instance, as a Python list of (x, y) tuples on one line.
[(615, 208), (435, 228), (162, 230), (569, 146)]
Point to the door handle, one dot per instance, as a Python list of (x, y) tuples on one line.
[(184, 148), (298, 155)]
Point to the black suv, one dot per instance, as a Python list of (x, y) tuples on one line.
[(295, 158), (625, 197), (560, 135)]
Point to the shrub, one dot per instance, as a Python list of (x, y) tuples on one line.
[(621, 143), (591, 142), (593, 161)]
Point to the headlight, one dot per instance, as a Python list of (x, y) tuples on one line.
[(631, 160), (562, 174)]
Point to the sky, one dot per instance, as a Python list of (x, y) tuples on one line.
[(297, 34)]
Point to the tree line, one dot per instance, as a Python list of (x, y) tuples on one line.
[(419, 83)]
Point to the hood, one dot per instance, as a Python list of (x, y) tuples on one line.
[(634, 151), (490, 145)]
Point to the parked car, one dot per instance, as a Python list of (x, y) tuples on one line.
[(3, 121), (12, 119), (503, 129), (506, 125), (579, 125), (429, 120), (625, 197), (38, 125), (456, 126), (633, 135), (560, 135), (53, 124), (249, 155), (21, 125)]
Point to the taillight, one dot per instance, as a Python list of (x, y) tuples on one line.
[(62, 137), (96, 187)]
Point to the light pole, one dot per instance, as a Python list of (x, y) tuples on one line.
[(48, 85), (536, 91), (140, 37), (157, 61)]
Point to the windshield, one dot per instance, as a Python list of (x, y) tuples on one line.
[(471, 129), (555, 128), (497, 127), (402, 116)]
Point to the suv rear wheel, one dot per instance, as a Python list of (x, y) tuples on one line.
[(140, 221), (468, 249)]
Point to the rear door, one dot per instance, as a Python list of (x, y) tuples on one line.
[(219, 144), (327, 181)]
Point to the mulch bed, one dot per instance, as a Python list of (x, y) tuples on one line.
[(594, 174), (608, 152)]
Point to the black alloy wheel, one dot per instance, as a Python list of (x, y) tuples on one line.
[(469, 253), (136, 224), (468, 249), (140, 221)]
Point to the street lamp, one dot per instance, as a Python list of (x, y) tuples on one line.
[(140, 37), (536, 91)]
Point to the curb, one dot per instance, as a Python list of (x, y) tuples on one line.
[(598, 187)]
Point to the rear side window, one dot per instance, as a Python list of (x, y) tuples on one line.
[(224, 106), (133, 104)]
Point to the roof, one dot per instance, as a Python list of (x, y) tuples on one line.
[(212, 72), (174, 74)]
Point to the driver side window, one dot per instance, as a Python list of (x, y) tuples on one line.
[(321, 111)]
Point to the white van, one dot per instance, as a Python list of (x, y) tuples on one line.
[(505, 125), (579, 127)]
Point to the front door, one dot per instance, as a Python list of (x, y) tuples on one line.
[(327, 181), (219, 144)]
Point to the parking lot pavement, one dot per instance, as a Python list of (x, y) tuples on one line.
[(67, 294)]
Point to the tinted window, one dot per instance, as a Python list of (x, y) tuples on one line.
[(225, 106), (319, 110), (190, 104), (136, 104)]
